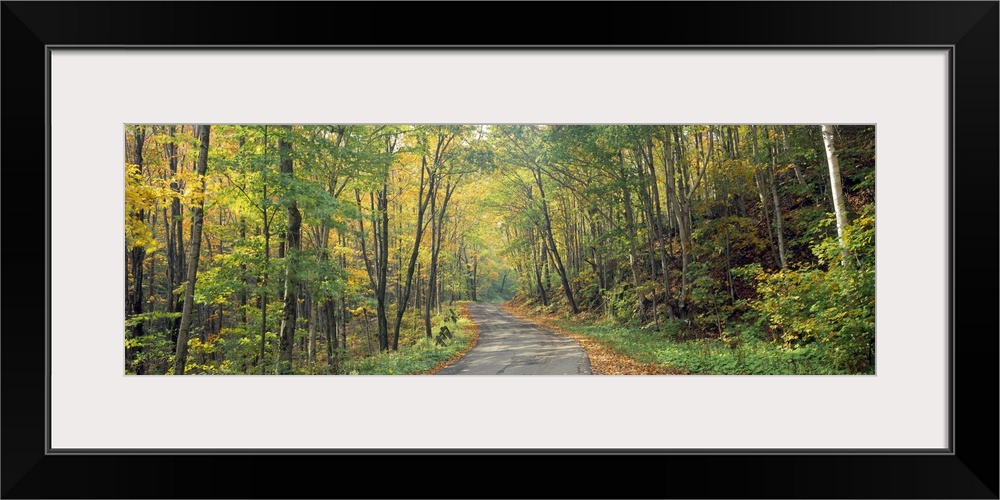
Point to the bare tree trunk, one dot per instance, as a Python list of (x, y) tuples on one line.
[(197, 219), (837, 189)]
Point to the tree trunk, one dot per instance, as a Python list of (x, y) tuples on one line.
[(778, 224), (197, 219), (475, 277), (729, 269), (633, 253), (151, 292), (431, 179), (432, 270), (135, 262), (382, 240), (293, 243), (245, 292), (647, 205), (311, 345), (437, 238), (552, 243), (759, 180), (682, 194), (376, 265), (175, 243), (536, 264), (330, 322), (660, 236), (263, 295), (837, 189), (676, 204)]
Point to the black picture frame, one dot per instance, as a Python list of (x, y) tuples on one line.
[(968, 470)]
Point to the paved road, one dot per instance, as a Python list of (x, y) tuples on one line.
[(511, 346)]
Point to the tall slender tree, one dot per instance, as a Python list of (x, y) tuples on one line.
[(836, 188), (197, 221), (293, 244), (174, 232), (136, 255)]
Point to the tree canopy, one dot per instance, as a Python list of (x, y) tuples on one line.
[(263, 249)]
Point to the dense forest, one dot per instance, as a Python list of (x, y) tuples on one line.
[(335, 249)]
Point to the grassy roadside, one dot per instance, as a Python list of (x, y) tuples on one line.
[(468, 326), (619, 349), (425, 356)]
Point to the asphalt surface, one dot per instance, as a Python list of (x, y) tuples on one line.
[(511, 346)]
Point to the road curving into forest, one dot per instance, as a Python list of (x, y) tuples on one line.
[(511, 346)]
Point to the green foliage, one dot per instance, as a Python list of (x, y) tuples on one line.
[(241, 349), (588, 288), (711, 299), (152, 351), (737, 353), (149, 317), (810, 224), (420, 357), (623, 303), (832, 309)]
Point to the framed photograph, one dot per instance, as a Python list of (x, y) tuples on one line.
[(786, 391)]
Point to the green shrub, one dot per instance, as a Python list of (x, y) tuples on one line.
[(424, 355), (831, 306)]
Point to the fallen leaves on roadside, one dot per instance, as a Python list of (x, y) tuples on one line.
[(604, 360)]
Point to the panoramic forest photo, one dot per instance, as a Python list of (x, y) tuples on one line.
[(499, 249)]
